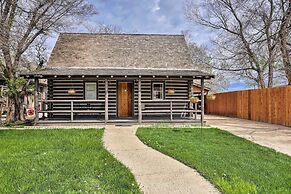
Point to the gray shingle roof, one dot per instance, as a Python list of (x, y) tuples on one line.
[(120, 54), (120, 50)]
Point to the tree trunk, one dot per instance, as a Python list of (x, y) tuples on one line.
[(283, 35), (10, 111), (261, 81), (270, 74), (285, 58), (15, 109)]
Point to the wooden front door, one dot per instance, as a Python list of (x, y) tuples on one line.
[(124, 99)]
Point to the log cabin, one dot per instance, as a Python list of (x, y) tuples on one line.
[(119, 78)]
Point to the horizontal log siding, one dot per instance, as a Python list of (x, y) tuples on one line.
[(58, 90), (181, 88), (271, 105), (112, 89)]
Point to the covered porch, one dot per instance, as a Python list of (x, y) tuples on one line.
[(121, 95)]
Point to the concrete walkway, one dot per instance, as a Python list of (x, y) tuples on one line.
[(154, 171), (273, 136)]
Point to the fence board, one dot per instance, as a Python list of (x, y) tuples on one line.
[(271, 105)]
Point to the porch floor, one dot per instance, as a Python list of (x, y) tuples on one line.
[(133, 120)]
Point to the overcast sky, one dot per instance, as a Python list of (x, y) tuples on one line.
[(150, 16)]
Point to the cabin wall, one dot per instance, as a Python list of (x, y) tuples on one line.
[(58, 90), (181, 88)]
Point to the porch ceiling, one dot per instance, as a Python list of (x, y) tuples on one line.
[(145, 72)]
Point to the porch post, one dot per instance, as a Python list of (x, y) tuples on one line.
[(72, 111), (171, 110), (202, 101), (190, 85), (36, 103), (139, 102), (106, 100)]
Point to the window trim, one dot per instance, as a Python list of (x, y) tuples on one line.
[(96, 89), (163, 90)]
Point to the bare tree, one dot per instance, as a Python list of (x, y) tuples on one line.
[(248, 36), (285, 37), (203, 62), (102, 28), (21, 24)]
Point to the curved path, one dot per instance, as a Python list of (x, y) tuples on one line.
[(154, 171)]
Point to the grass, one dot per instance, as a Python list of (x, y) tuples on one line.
[(60, 161), (232, 164)]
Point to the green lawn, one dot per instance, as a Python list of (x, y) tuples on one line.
[(233, 164), (60, 161)]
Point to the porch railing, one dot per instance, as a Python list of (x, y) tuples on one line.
[(170, 106), (72, 106)]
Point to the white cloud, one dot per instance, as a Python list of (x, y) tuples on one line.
[(156, 6)]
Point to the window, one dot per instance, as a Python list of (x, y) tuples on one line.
[(158, 91), (90, 91)]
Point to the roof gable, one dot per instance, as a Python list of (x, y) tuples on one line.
[(120, 50)]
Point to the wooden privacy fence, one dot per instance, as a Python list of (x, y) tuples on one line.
[(271, 105)]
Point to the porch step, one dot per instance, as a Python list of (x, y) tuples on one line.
[(123, 124)]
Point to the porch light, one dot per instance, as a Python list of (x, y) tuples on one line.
[(71, 91), (194, 99), (171, 91), (211, 97)]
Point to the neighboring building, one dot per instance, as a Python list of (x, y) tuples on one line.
[(119, 77), (196, 89)]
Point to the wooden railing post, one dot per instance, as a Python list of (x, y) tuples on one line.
[(36, 102), (139, 102), (195, 105), (190, 108), (106, 100), (72, 110), (171, 110)]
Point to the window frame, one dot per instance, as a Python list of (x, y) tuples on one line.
[(96, 90), (162, 90)]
